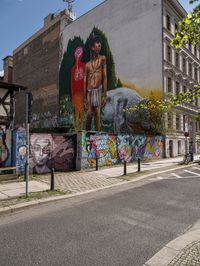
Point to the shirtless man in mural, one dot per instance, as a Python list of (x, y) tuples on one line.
[(95, 84)]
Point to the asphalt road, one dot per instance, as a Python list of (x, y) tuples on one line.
[(124, 225)]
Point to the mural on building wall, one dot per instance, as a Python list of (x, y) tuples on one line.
[(91, 95), (52, 151), (102, 145), (20, 150), (5, 152)]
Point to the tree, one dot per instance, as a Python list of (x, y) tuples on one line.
[(189, 28)]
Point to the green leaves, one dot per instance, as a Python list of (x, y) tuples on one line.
[(189, 28)]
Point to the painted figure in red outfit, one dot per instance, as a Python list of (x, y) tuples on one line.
[(77, 87)]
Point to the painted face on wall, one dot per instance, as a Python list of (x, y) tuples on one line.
[(41, 150), (22, 151), (78, 53), (96, 48)]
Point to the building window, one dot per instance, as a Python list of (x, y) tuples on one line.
[(184, 89), (169, 53), (184, 123), (169, 85), (177, 88), (195, 50), (190, 46), (184, 65), (169, 121), (176, 27), (196, 74), (177, 122), (177, 59), (190, 69), (168, 22)]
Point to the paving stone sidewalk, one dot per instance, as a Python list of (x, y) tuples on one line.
[(189, 256), (81, 181)]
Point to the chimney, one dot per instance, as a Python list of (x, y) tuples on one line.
[(48, 19), (8, 68)]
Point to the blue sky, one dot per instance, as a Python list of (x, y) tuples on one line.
[(19, 19)]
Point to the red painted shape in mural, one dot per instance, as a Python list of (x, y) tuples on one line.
[(77, 87)]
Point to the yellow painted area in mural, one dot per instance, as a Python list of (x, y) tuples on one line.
[(112, 149), (156, 93)]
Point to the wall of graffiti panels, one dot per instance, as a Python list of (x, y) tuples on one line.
[(46, 151), (102, 145), (5, 147), (19, 150), (112, 149)]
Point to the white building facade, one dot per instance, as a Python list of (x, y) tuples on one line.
[(180, 74)]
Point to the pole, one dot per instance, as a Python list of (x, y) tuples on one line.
[(139, 168), (125, 168), (27, 145), (97, 163), (52, 179)]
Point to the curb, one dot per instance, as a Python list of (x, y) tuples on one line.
[(173, 248), (25, 205)]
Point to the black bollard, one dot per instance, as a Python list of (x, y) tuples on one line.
[(25, 172), (139, 165), (97, 163), (125, 169), (52, 179)]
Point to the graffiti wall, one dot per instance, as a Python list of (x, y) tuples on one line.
[(112, 149), (102, 145), (5, 147), (154, 148), (110, 62), (19, 150), (52, 151)]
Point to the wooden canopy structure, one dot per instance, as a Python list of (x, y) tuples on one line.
[(7, 102)]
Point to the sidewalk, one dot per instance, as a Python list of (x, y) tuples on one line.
[(182, 251), (85, 180)]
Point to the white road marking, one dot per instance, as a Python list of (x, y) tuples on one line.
[(190, 172), (197, 168), (160, 177), (175, 175)]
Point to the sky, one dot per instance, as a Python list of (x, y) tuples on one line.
[(20, 19)]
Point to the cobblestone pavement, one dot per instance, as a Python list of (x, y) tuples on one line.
[(189, 256), (73, 182)]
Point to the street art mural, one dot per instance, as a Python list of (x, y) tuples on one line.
[(19, 153), (88, 83), (52, 151), (109, 67), (112, 149), (131, 147), (5, 144), (102, 145), (154, 148)]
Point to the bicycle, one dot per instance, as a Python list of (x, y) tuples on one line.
[(186, 159)]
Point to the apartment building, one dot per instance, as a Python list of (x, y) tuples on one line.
[(181, 73)]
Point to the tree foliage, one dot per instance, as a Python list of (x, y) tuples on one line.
[(189, 28)]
